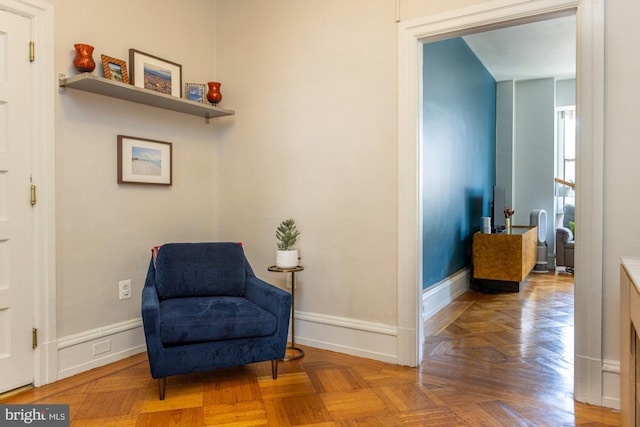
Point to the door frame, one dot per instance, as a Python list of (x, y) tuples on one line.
[(40, 14), (590, 176)]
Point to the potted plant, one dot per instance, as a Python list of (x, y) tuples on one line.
[(286, 234)]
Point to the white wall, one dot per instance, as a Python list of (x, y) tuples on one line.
[(525, 149), (105, 230), (505, 135), (314, 138), (314, 84), (534, 166), (565, 92), (621, 201), (515, 148)]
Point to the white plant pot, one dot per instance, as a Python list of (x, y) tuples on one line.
[(287, 259)]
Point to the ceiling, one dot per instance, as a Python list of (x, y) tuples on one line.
[(528, 51)]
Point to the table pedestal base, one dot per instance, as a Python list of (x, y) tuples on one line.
[(299, 355), (293, 270)]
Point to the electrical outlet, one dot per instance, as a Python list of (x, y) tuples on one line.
[(125, 288)]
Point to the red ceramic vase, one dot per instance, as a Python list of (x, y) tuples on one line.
[(214, 96), (83, 61)]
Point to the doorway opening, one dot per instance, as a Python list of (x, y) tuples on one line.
[(590, 107), (488, 120)]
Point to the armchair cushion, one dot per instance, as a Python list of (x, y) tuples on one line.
[(188, 320), (195, 270)]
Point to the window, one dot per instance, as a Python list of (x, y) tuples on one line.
[(566, 156)]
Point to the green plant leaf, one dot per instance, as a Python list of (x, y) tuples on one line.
[(287, 234)]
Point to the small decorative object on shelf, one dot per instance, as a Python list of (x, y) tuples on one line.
[(287, 233), (195, 92), (156, 74), (83, 61), (115, 69), (508, 213), (214, 96)]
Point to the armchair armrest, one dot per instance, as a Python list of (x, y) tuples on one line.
[(564, 235), (151, 311), (269, 297), (274, 300), (151, 317)]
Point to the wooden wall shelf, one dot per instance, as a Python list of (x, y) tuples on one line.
[(95, 84)]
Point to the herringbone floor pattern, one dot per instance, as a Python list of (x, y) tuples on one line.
[(490, 360)]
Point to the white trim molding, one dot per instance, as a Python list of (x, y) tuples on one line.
[(355, 337), (611, 383), (98, 347), (589, 192), (438, 296), (40, 14)]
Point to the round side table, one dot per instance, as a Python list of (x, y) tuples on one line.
[(293, 271)]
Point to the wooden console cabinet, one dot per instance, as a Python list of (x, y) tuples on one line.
[(629, 341), (502, 261)]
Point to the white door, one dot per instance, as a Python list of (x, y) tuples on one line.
[(16, 240)]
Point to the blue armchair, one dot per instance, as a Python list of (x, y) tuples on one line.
[(203, 308)]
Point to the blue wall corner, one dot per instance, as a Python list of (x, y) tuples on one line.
[(458, 155)]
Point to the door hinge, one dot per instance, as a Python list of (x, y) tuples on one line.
[(33, 195), (32, 51), (34, 338)]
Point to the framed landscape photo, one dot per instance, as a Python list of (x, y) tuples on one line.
[(115, 69), (144, 161), (153, 73), (195, 92)]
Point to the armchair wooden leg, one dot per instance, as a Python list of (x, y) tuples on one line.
[(274, 369), (162, 387)]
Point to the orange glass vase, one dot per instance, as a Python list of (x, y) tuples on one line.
[(83, 61), (213, 95)]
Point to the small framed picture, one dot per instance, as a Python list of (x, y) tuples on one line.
[(144, 161), (157, 74), (115, 69), (195, 92)]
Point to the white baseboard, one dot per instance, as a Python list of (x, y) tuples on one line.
[(368, 339), (101, 346), (350, 336), (438, 296), (118, 341), (611, 383)]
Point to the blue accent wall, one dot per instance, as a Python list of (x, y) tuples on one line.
[(458, 155)]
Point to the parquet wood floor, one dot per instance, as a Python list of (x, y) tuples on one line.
[(490, 360)]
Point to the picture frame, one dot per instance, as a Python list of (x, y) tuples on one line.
[(115, 69), (196, 92), (144, 161), (156, 74)]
